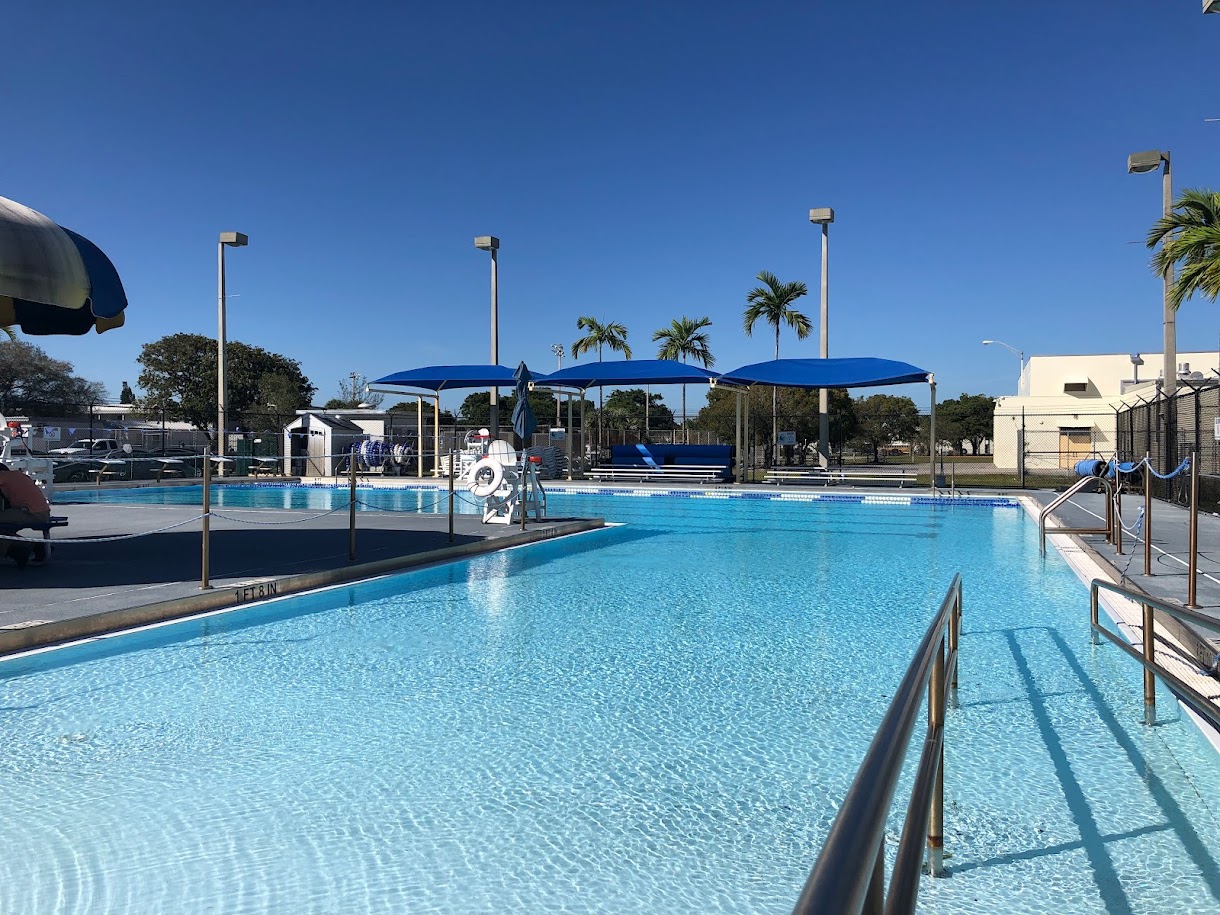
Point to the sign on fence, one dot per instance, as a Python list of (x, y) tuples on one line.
[(787, 438)]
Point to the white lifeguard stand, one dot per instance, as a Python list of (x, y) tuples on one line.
[(507, 488), (15, 452)]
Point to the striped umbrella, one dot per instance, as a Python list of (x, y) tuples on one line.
[(53, 281)]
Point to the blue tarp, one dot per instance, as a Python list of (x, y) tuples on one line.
[(444, 377), (629, 371), (827, 373)]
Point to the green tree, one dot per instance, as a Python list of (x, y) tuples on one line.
[(33, 383), (446, 417), (625, 412), (685, 339), (1190, 242), (127, 395), (352, 394), (968, 418), (884, 419), (597, 336), (178, 375), (772, 303)]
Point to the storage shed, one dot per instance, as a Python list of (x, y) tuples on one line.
[(316, 444)]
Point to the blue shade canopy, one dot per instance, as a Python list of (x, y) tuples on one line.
[(53, 281), (629, 371), (445, 377), (827, 373)]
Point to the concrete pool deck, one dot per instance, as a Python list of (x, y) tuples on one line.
[(104, 585)]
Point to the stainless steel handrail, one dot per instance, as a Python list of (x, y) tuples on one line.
[(1080, 484), (849, 876), (1201, 704)]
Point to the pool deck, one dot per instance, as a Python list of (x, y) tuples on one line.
[(105, 585)]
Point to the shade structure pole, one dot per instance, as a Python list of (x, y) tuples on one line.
[(932, 436), (436, 437), (739, 470), (568, 436), (419, 436)]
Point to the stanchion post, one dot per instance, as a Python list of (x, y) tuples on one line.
[(452, 474), (1192, 580), (204, 584), (351, 508), (1147, 515), (1149, 658)]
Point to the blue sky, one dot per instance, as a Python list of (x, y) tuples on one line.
[(638, 161)]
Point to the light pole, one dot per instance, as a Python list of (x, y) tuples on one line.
[(557, 349), (824, 216), (492, 244), (1016, 352), (230, 240), (1150, 161)]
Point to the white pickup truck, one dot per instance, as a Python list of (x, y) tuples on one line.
[(89, 446)]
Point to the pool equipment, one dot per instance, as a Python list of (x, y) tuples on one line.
[(508, 488)]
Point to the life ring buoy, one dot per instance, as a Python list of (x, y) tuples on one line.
[(485, 477)]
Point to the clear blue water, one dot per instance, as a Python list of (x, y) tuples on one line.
[(659, 717)]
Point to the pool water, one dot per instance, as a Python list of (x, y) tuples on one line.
[(657, 717)]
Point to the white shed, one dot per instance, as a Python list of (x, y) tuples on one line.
[(315, 444)]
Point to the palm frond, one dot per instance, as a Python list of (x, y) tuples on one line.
[(1190, 243)]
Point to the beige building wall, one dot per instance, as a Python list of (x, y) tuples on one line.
[(1068, 405)]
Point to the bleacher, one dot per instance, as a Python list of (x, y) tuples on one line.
[(704, 464)]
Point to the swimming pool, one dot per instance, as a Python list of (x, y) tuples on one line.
[(657, 717)]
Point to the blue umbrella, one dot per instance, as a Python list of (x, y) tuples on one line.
[(524, 422)]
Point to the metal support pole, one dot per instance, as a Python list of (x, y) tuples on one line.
[(1150, 658), (205, 571), (1170, 361), (494, 424), (436, 437), (419, 437), (936, 720), (452, 474), (1118, 510), (1021, 451), (740, 470), (569, 436), (955, 634), (1093, 636), (1147, 516), (221, 389), (351, 508), (824, 352), (932, 437), (1192, 581)]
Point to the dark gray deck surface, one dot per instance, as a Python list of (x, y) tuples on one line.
[(1170, 539), (89, 578)]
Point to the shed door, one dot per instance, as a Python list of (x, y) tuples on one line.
[(1074, 445)]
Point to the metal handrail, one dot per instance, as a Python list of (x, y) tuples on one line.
[(1080, 484), (849, 876), (1202, 705)]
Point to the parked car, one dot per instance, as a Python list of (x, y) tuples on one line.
[(95, 446)]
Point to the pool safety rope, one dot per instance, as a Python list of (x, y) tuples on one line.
[(58, 540)]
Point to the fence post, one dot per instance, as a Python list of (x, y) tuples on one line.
[(351, 508), (1192, 580), (1021, 452), (207, 518), (1147, 515)]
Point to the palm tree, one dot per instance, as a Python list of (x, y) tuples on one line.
[(598, 335), (683, 339), (773, 304), (1190, 241)]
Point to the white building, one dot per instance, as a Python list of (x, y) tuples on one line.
[(1066, 406)]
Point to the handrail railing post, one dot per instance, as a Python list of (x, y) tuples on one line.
[(1150, 657), (955, 634), (1192, 580), (1147, 515), (1094, 637), (936, 720)]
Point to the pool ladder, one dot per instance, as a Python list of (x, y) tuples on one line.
[(1108, 530)]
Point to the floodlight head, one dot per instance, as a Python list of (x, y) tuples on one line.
[(1135, 357), (822, 215), (1211, 6), (487, 243), (234, 239), (988, 342), (1148, 161)]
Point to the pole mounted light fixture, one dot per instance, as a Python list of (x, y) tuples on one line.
[(227, 240), (1137, 164), (492, 244), (824, 216), (1211, 6)]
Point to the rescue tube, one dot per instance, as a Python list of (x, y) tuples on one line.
[(485, 477), (1091, 468)]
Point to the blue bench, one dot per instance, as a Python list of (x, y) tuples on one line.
[(714, 460)]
